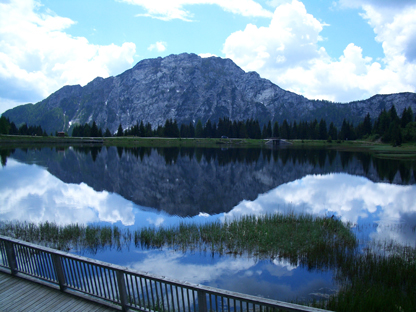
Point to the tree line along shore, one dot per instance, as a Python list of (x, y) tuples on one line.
[(388, 127)]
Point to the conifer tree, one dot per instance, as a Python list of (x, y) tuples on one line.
[(269, 129), (120, 131), (199, 131), (333, 132), (367, 125), (276, 129), (323, 133)]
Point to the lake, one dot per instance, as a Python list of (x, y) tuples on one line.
[(137, 187)]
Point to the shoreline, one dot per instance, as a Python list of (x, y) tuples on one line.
[(406, 151)]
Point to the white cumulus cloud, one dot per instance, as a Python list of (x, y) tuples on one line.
[(206, 55), (175, 9), (158, 46), (289, 53), (37, 56)]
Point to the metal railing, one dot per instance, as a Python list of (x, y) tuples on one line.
[(124, 287)]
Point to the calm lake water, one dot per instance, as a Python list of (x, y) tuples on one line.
[(139, 187)]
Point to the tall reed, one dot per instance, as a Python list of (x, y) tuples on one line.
[(304, 239), (374, 281), (65, 237)]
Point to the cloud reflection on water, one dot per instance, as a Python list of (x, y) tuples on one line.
[(353, 199), (30, 193), (271, 279)]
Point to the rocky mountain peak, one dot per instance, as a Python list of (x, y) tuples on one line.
[(188, 88)]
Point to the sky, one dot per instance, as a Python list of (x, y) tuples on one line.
[(336, 50)]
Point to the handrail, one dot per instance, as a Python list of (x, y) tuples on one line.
[(125, 287)]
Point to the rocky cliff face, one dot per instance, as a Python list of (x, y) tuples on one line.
[(189, 88)]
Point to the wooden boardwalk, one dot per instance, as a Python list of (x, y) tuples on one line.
[(18, 294)]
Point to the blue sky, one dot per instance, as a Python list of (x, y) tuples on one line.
[(338, 50)]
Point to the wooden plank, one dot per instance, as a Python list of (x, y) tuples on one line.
[(7, 282), (24, 295), (43, 301), (22, 299), (33, 296), (4, 279), (14, 291), (55, 303), (70, 305), (79, 305), (65, 306)]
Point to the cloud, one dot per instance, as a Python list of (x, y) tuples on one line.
[(174, 9), (37, 56), (42, 197), (206, 55), (158, 222), (6, 104), (291, 39), (158, 46), (275, 279), (351, 198), (194, 273), (378, 3), (289, 53)]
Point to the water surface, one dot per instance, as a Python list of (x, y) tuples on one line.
[(161, 187)]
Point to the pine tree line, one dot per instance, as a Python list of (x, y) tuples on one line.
[(7, 127), (388, 127)]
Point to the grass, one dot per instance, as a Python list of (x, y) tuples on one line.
[(373, 281), (181, 142), (406, 151), (67, 237), (26, 141), (303, 239), (380, 278)]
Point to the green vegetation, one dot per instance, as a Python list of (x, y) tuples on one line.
[(407, 151), (303, 239), (181, 142), (380, 278), (7, 127), (72, 236), (376, 281), (388, 127)]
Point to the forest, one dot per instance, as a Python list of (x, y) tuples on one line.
[(388, 127)]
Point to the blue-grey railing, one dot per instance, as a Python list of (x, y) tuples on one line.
[(124, 287)]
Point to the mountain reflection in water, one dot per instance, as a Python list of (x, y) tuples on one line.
[(144, 187), (188, 181)]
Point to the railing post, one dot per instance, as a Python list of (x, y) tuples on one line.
[(11, 257), (202, 301), (59, 271), (122, 290)]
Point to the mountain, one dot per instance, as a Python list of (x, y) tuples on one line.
[(189, 88)]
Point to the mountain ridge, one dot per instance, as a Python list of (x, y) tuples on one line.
[(188, 88)]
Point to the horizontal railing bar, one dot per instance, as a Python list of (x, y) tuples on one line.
[(161, 279)]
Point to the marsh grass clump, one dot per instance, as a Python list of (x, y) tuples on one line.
[(304, 239), (373, 281), (66, 237)]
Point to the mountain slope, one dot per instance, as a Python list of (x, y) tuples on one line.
[(188, 88)]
